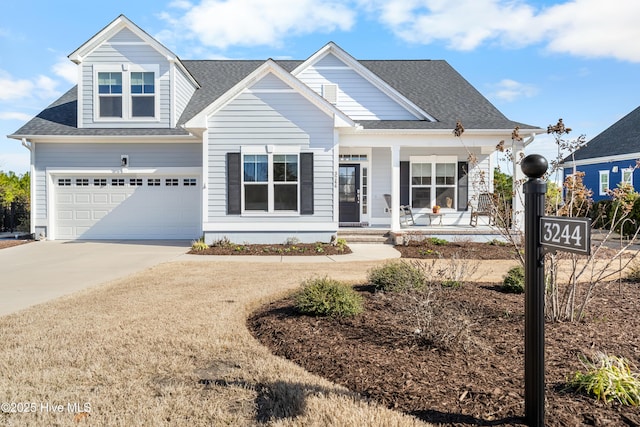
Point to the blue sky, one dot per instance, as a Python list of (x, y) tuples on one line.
[(536, 61)]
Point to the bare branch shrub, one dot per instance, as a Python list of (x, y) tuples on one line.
[(437, 320)]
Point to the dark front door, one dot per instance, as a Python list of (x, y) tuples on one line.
[(349, 182)]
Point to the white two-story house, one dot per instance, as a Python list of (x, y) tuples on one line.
[(149, 146)]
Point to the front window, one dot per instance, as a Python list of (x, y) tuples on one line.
[(285, 185), (421, 181), (110, 93), (433, 183), (126, 94), (270, 182), (627, 176), (142, 94), (604, 183)]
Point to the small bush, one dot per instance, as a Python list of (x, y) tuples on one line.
[(328, 297), (397, 276), (633, 275), (608, 378), (341, 244), (199, 245), (514, 281), (222, 243), (436, 241)]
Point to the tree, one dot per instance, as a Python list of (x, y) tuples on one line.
[(15, 193)]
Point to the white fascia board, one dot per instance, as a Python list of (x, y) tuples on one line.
[(608, 159), (368, 75), (199, 121), (109, 139), (498, 133)]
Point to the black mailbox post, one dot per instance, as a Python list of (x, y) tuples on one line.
[(534, 167)]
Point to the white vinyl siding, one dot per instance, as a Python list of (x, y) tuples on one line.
[(184, 90), (123, 52), (271, 115), (89, 156), (356, 97)]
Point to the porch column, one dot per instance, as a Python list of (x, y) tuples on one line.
[(395, 188), (518, 196)]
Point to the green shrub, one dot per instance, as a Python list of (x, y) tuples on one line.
[(608, 378), (514, 281), (199, 245), (436, 241), (328, 297), (397, 276)]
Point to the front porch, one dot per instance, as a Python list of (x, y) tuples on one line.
[(383, 234)]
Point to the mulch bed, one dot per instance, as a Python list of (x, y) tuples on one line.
[(435, 248), (8, 243), (299, 249), (477, 381)]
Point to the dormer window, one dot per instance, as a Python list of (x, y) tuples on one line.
[(110, 90), (142, 94), (126, 93)]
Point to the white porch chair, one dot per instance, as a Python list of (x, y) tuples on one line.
[(406, 214)]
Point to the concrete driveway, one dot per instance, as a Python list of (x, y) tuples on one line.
[(37, 272)]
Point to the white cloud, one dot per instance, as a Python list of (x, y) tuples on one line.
[(462, 25), (589, 28), (11, 88), (13, 115), (180, 4), (66, 69), (593, 28), (511, 90), (221, 24)]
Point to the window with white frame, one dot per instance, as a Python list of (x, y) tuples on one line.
[(603, 183), (433, 182), (270, 182), (110, 94), (128, 94), (627, 176), (142, 94)]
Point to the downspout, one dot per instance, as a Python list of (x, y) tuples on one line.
[(32, 186)]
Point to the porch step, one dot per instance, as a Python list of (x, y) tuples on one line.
[(364, 236)]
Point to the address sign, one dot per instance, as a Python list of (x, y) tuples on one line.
[(566, 234)]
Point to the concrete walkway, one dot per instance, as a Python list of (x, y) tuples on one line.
[(37, 272)]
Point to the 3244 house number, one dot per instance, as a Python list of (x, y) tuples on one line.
[(555, 233), (566, 234)]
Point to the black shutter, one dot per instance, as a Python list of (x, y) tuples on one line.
[(306, 184), (404, 183), (463, 186), (234, 182)]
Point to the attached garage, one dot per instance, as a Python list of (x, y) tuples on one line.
[(125, 206)]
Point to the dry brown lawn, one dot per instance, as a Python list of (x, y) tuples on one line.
[(169, 346)]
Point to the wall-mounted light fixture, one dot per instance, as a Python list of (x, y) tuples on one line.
[(614, 169), (124, 160)]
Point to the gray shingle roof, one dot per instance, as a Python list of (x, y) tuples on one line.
[(434, 86), (622, 137)]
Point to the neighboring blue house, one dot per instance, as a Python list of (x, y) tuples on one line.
[(149, 146), (610, 158)]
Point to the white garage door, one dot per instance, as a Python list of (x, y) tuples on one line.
[(126, 207)]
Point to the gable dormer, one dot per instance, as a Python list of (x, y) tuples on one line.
[(127, 79), (352, 88)]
